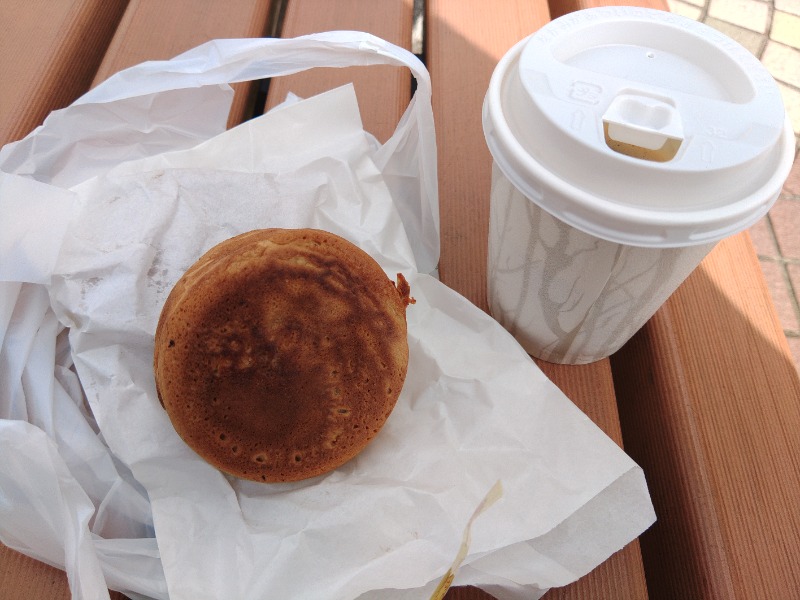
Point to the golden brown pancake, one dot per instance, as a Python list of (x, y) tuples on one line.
[(281, 353)]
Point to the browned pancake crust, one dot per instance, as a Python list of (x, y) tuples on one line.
[(281, 353)]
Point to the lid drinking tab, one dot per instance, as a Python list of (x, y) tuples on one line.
[(641, 121)]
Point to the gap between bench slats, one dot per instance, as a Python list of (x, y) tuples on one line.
[(383, 91)]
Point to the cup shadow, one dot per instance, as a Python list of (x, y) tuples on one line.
[(709, 403)]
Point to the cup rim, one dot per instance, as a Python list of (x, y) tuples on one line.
[(639, 226)]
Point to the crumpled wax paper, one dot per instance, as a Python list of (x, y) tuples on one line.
[(94, 483)]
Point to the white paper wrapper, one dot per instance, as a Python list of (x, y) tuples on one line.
[(95, 478)]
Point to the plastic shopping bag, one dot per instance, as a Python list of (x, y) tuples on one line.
[(111, 200)]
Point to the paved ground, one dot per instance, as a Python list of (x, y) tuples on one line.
[(770, 29)]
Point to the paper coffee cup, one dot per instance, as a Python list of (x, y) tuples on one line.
[(626, 142)]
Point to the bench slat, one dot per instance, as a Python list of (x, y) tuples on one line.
[(465, 39), (54, 52), (710, 404), (49, 56), (622, 576), (383, 91), (155, 30), (47, 59)]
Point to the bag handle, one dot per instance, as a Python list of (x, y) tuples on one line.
[(113, 122)]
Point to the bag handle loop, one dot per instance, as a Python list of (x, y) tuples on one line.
[(54, 153)]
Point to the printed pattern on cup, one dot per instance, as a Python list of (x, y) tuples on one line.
[(567, 296)]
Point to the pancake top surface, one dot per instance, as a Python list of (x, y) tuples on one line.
[(281, 353)]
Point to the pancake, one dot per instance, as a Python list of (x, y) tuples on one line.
[(280, 353)]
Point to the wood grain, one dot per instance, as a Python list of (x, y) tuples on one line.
[(49, 52), (465, 40), (710, 406), (562, 7), (53, 53), (383, 92), (622, 576), (155, 30)]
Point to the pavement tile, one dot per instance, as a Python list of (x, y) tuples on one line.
[(783, 62), (793, 269), (794, 350), (750, 14), (791, 101), (751, 40), (792, 185), (785, 28), (785, 217), (685, 9), (794, 337), (781, 295), (790, 6), (763, 240), (794, 346)]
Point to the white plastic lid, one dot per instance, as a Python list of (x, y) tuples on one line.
[(640, 127)]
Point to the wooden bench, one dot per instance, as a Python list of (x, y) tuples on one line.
[(705, 395)]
